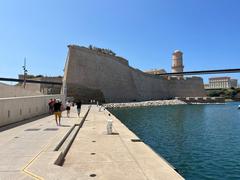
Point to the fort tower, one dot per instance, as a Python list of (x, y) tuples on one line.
[(177, 62)]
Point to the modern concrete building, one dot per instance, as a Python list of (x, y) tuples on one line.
[(222, 82), (177, 62)]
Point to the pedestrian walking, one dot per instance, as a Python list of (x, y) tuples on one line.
[(57, 111), (50, 105), (79, 104), (68, 107)]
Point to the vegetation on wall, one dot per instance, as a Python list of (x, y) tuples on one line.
[(226, 93), (102, 50), (38, 76)]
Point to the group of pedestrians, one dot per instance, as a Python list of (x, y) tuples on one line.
[(68, 107), (56, 107)]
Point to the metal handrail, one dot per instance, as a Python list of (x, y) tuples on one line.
[(29, 81)]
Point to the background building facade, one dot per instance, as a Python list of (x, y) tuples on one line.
[(222, 82), (234, 83)]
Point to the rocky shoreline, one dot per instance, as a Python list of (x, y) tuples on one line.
[(144, 103)]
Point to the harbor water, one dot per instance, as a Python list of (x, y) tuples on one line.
[(200, 141)]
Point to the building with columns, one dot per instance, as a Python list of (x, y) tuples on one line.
[(222, 82)]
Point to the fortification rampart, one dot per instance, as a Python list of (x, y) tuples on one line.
[(93, 75)]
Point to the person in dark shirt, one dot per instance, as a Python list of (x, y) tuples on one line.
[(68, 107), (79, 103), (50, 104), (57, 111)]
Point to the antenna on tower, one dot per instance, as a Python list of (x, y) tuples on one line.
[(24, 72)]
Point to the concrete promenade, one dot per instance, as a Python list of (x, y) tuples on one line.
[(27, 151)]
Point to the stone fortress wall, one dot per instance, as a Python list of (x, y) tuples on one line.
[(93, 75)]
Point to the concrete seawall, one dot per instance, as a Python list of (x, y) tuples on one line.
[(16, 109), (93, 75)]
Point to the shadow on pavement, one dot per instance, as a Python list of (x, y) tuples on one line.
[(25, 121)]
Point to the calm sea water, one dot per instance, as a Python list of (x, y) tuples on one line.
[(201, 141)]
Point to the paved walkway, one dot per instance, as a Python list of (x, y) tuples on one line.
[(108, 157), (21, 145), (27, 151)]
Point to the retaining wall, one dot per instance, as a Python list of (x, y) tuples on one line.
[(16, 109)]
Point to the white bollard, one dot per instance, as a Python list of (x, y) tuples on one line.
[(109, 126)]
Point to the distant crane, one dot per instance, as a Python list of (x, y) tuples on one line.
[(24, 73)]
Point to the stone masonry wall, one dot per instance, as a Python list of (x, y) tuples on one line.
[(93, 75)]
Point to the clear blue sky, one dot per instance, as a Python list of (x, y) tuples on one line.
[(144, 32)]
